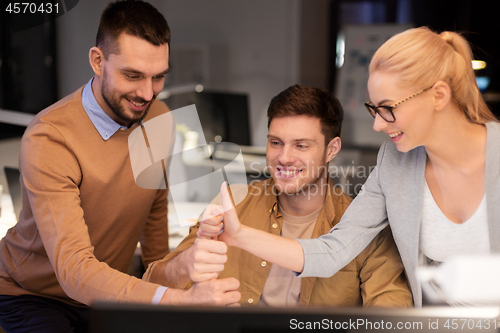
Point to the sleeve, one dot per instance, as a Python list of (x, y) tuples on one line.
[(361, 222), (185, 244), (154, 240), (382, 277), (53, 193)]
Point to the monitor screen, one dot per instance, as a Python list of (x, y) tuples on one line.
[(224, 116), (124, 318)]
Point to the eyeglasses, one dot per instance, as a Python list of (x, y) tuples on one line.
[(386, 111)]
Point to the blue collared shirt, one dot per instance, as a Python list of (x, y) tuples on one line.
[(102, 122)]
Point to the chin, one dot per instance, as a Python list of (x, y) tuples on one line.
[(284, 188), (405, 148), (402, 149), (292, 189)]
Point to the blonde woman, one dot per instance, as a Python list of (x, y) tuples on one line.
[(436, 180)]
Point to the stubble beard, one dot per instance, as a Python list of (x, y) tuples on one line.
[(312, 185), (115, 105)]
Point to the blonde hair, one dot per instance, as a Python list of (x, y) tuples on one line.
[(422, 57)]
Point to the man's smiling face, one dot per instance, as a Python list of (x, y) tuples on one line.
[(132, 79), (296, 153)]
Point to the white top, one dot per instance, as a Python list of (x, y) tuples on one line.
[(441, 239)]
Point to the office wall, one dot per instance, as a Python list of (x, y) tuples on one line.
[(254, 46)]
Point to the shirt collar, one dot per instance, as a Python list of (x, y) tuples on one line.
[(102, 122)]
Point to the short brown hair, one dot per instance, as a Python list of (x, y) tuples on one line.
[(309, 101), (133, 17)]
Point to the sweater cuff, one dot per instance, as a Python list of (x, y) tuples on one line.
[(159, 294)]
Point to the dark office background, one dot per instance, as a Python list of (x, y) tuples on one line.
[(476, 20), (28, 71)]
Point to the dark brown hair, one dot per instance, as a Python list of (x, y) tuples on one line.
[(133, 17), (309, 101)]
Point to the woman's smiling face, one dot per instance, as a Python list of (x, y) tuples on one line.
[(413, 116)]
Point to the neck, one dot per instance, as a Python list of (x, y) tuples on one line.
[(456, 142), (96, 90), (307, 201)]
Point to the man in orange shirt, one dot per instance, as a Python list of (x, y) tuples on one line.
[(83, 213)]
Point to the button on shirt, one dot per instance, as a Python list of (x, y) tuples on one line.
[(282, 288), (106, 127)]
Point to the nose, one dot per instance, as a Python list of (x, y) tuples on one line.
[(379, 123), (286, 156), (145, 90)]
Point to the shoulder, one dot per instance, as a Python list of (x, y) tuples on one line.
[(383, 243), (338, 196), (493, 125), (493, 130), (258, 186), (53, 120), (258, 190), (257, 194), (388, 150), (244, 194), (390, 158), (336, 203), (60, 111)]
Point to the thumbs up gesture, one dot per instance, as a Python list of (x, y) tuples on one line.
[(220, 221)]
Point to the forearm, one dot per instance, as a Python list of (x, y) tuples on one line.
[(171, 273), (218, 292), (154, 239), (278, 250), (97, 281)]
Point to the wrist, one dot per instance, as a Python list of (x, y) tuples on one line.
[(238, 238), (160, 292), (172, 297)]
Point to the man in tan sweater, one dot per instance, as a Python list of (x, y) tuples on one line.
[(299, 201), (83, 213)]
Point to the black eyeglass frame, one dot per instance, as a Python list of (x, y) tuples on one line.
[(373, 110)]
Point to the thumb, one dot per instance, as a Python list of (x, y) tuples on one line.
[(232, 224), (227, 205), (227, 202)]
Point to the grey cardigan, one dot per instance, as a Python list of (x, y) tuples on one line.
[(393, 193)]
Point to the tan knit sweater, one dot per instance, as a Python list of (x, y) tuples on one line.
[(82, 213)]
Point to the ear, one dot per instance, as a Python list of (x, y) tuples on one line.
[(96, 57), (442, 95), (333, 149)]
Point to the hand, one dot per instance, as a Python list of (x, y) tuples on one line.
[(205, 259), (211, 222), (212, 218), (222, 292)]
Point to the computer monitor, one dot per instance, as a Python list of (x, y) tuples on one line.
[(125, 318), (224, 116)]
